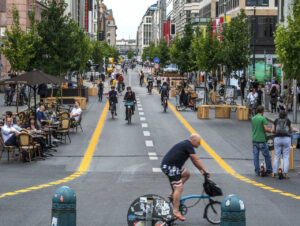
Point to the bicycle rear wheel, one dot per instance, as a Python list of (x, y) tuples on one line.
[(212, 212)]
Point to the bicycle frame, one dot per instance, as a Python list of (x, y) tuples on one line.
[(183, 199)]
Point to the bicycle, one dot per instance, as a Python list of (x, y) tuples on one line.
[(165, 103), (150, 86), (129, 106), (154, 210)]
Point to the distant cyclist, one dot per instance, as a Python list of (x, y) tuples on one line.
[(121, 84), (130, 97), (172, 166), (113, 99), (164, 91)]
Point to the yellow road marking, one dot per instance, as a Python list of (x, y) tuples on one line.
[(221, 162), (83, 166)]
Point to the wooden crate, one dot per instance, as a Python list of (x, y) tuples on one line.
[(213, 97), (222, 111), (173, 92), (203, 112), (242, 113), (291, 159), (92, 91)]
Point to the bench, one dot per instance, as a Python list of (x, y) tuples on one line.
[(223, 111)]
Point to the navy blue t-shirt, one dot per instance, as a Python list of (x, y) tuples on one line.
[(178, 154)]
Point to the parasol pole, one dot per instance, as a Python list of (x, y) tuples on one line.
[(17, 98)]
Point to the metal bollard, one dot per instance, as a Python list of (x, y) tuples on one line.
[(63, 207), (233, 211)]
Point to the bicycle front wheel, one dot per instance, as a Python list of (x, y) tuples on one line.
[(212, 212)]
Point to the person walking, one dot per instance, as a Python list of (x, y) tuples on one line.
[(259, 129), (282, 128)]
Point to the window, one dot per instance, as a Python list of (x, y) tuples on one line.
[(3, 6), (108, 34), (148, 20), (257, 2), (108, 22), (2, 31), (108, 40)]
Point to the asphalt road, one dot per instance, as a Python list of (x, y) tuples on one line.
[(121, 169)]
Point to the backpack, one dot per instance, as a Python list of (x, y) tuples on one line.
[(211, 188), (282, 127)]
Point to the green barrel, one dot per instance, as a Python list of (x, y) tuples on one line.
[(64, 207), (233, 211)]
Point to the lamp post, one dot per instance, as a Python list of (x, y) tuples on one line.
[(254, 36)]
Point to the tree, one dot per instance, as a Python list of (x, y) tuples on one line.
[(287, 42), (130, 54), (98, 52), (18, 47), (207, 51), (180, 50), (235, 44), (163, 53), (58, 32)]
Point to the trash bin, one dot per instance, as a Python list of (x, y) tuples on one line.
[(233, 211), (64, 207)]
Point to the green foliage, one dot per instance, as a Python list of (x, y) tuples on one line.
[(59, 47), (163, 53), (207, 50), (235, 44), (19, 46), (287, 41), (130, 54), (181, 50), (98, 52), (151, 51)]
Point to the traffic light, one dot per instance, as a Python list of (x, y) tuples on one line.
[(101, 36)]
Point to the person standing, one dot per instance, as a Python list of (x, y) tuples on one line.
[(259, 129), (282, 128), (259, 95), (243, 84)]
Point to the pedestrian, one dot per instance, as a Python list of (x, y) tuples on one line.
[(285, 98), (243, 84), (259, 95), (259, 129), (282, 128), (274, 98)]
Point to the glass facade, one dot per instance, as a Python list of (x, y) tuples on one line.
[(257, 2)]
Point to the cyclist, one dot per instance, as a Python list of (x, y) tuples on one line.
[(100, 89), (113, 98), (130, 97), (142, 78), (164, 91), (150, 80), (172, 166), (121, 84)]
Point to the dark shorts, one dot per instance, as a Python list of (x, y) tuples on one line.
[(174, 174)]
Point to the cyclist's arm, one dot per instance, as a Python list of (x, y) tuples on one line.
[(198, 163)]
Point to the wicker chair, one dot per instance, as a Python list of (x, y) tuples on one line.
[(27, 144), (77, 123), (64, 115), (6, 148), (64, 130)]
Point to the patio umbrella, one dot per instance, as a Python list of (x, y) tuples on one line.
[(35, 78)]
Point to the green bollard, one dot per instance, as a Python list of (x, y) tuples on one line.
[(233, 211), (64, 207)]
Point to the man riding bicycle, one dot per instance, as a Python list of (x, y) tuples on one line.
[(129, 97), (172, 166), (113, 99), (164, 91), (150, 80), (121, 84)]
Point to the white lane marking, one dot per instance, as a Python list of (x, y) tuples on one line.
[(143, 119), (138, 102), (141, 113), (139, 105), (149, 143), (144, 125), (151, 153), (140, 109), (153, 158), (146, 133), (156, 170)]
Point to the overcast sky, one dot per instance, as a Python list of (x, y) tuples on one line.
[(128, 15)]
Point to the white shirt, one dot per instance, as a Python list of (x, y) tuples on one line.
[(5, 130), (252, 97), (76, 111)]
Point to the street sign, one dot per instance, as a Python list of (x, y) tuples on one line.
[(147, 57), (156, 60), (269, 59), (156, 66)]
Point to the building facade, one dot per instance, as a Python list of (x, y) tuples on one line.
[(111, 29), (24, 7), (123, 46)]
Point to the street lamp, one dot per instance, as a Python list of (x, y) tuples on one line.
[(254, 34)]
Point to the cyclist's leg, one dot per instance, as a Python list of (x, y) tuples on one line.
[(176, 199), (185, 175)]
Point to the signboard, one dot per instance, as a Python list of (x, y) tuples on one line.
[(156, 60), (269, 59), (156, 66), (229, 92), (147, 57)]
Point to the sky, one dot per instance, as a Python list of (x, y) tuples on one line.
[(128, 15)]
